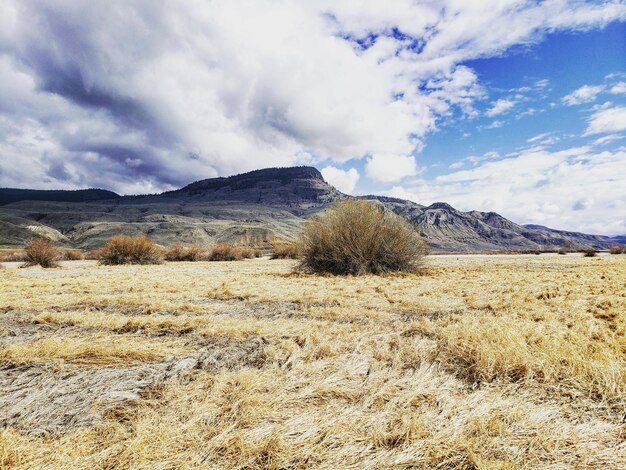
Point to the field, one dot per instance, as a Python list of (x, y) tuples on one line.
[(489, 362)]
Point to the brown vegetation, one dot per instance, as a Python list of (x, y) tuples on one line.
[(358, 237), (286, 251), (123, 249), (590, 253), (73, 255), (616, 250), (13, 256), (228, 252), (180, 252), (41, 251)]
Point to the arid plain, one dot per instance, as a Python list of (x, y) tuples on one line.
[(473, 362)]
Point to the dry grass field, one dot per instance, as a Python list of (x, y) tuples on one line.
[(487, 362)]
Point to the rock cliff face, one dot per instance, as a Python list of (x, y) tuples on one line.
[(261, 205)]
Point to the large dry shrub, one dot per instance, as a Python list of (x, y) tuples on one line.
[(40, 251), (286, 251), (180, 252), (123, 249), (616, 250), (357, 237)]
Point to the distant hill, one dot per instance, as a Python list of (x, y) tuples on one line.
[(261, 205), (9, 195)]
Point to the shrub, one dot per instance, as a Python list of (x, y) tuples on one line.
[(73, 255), (357, 237), (616, 250), (13, 256), (123, 249), (286, 251), (590, 253), (40, 251), (228, 252), (94, 254), (562, 251), (180, 252)]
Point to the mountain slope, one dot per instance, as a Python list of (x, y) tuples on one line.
[(10, 195), (261, 205)]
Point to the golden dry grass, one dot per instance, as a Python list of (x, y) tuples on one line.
[(88, 349), (477, 362)]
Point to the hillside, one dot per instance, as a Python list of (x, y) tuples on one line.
[(9, 195), (261, 205)]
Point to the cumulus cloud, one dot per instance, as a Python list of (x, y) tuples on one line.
[(388, 168), (584, 94), (607, 120), (344, 180), (499, 107), (619, 88), (124, 95), (574, 189)]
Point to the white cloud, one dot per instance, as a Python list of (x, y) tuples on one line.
[(200, 88), (608, 138), (619, 88), (474, 160), (575, 189), (388, 167), (499, 107), (495, 125), (538, 137), (344, 180), (584, 94), (607, 120)]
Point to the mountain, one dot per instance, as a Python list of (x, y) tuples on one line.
[(261, 205), (9, 195)]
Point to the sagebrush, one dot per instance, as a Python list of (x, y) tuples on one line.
[(228, 252), (41, 251), (73, 255), (359, 237), (180, 252), (123, 249), (616, 250), (286, 251)]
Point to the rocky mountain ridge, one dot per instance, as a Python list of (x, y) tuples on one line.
[(261, 205)]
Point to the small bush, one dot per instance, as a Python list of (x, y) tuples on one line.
[(73, 255), (180, 252), (228, 252), (590, 253), (357, 237), (42, 252), (616, 250), (286, 251), (14, 256), (123, 249), (562, 251), (94, 254)]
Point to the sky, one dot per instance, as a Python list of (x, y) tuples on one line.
[(517, 107)]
